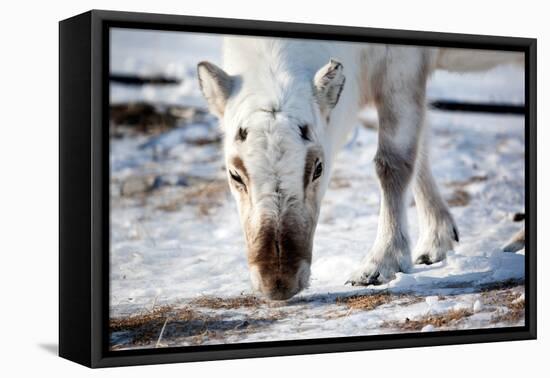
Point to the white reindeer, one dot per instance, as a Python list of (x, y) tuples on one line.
[(287, 106)]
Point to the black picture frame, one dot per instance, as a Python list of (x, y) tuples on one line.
[(84, 189)]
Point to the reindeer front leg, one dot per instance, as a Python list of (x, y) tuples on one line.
[(400, 96)]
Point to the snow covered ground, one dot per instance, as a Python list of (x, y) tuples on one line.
[(178, 265)]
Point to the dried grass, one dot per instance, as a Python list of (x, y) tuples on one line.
[(365, 302), (140, 320), (512, 316), (205, 196), (468, 181), (165, 325), (510, 299), (146, 327), (227, 303), (459, 198), (447, 319)]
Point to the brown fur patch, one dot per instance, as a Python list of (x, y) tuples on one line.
[(277, 252), (239, 164), (280, 243)]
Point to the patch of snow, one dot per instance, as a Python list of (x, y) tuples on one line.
[(428, 328)]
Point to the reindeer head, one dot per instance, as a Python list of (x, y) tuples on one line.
[(277, 166)]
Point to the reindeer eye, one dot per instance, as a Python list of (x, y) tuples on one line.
[(318, 170), (235, 176)]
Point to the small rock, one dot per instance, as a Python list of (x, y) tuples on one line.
[(478, 306), (136, 184)]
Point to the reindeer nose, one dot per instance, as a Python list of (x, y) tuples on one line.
[(279, 295), (279, 290), (279, 262)]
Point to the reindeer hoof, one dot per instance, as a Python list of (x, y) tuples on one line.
[(424, 259), (366, 280)]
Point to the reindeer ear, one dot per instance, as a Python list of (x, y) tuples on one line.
[(329, 82), (215, 85)]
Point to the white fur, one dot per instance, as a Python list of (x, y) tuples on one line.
[(282, 75)]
